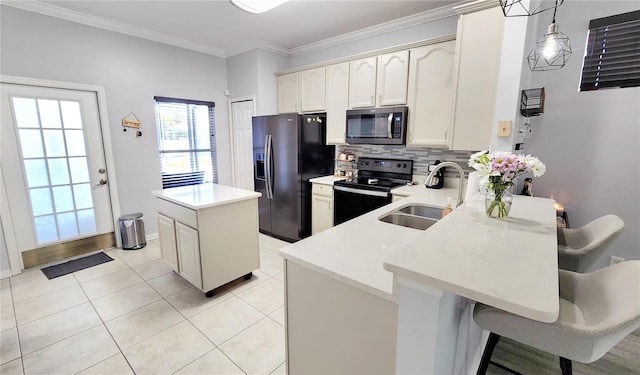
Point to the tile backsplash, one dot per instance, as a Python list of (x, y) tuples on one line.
[(421, 157)]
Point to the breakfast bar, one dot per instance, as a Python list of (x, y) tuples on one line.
[(386, 298)]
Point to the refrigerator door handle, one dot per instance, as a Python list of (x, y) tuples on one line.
[(267, 165)]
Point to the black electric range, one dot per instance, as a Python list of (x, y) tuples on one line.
[(371, 189)]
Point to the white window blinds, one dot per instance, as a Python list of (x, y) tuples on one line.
[(612, 56), (186, 141)]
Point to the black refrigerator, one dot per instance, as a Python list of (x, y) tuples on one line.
[(288, 150)]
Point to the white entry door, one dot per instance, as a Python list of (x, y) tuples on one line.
[(242, 112), (53, 165)]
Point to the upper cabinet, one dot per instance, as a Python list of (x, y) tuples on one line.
[(476, 73), (337, 102), (287, 93), (379, 80), (311, 90), (429, 95), (393, 71), (362, 82)]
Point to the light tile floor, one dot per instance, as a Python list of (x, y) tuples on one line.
[(135, 315)]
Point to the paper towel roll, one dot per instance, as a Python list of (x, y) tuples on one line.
[(473, 184)]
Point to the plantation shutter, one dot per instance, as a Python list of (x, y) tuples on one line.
[(612, 56)]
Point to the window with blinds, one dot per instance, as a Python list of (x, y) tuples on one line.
[(612, 56), (186, 131)]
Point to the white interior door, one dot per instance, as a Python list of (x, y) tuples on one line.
[(241, 113), (54, 165)]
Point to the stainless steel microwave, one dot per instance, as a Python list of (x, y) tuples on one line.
[(377, 126)]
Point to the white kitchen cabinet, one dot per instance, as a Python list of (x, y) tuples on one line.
[(362, 82), (429, 96), (476, 70), (189, 254), (311, 90), (167, 235), (337, 94), (209, 233), (287, 93), (393, 71), (321, 207)]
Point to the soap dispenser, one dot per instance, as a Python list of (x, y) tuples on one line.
[(447, 210)]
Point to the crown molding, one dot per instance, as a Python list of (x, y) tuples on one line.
[(259, 44), (475, 6), (103, 23), (383, 28)]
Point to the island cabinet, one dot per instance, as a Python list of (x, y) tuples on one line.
[(311, 90), (476, 72), (287, 87), (337, 95), (429, 95), (209, 236), (379, 80)]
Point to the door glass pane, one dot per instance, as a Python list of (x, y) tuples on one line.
[(58, 171), (46, 228), (36, 171), (71, 115), (31, 143), (63, 198), (54, 143), (49, 113), (86, 221), (67, 225), (82, 195), (26, 113), (41, 201), (79, 170), (75, 142)]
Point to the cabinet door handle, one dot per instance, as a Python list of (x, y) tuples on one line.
[(446, 133), (372, 102), (380, 101)]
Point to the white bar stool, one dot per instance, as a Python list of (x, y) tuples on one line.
[(579, 248), (597, 310)]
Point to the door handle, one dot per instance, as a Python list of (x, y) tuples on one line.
[(389, 120), (372, 102), (267, 165), (100, 183)]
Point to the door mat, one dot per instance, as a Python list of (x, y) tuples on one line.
[(71, 266)]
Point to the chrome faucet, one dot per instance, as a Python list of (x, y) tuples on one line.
[(457, 168)]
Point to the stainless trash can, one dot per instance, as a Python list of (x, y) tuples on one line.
[(132, 231)]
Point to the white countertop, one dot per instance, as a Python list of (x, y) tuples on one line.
[(326, 180), (354, 252), (205, 195), (510, 264)]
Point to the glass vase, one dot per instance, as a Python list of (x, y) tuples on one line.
[(497, 204)]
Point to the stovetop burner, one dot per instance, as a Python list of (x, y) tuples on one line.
[(380, 174)]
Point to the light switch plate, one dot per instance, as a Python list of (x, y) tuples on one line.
[(504, 128)]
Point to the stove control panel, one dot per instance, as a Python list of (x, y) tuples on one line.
[(386, 165)]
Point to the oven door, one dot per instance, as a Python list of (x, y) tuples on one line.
[(350, 202)]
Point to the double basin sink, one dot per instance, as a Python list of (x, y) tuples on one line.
[(416, 216)]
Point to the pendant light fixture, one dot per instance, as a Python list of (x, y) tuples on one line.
[(515, 8), (552, 51), (257, 6)]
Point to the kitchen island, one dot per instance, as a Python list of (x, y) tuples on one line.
[(209, 233), (340, 282)]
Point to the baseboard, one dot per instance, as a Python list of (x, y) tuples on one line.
[(5, 273), (152, 236)]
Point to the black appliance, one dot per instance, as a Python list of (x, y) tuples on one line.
[(288, 150), (371, 189), (437, 180), (377, 126)]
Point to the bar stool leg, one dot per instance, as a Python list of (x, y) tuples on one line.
[(565, 365), (488, 351)]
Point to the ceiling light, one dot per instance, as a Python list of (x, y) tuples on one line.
[(257, 6), (552, 51), (515, 8)]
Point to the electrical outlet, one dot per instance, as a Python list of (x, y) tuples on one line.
[(504, 128), (615, 260)]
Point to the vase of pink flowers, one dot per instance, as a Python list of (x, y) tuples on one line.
[(500, 170)]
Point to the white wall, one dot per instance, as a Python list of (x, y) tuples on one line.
[(268, 64), (133, 71), (242, 74), (589, 140), (5, 267)]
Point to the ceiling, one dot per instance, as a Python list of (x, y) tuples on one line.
[(219, 28)]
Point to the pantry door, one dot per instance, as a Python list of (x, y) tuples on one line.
[(242, 141), (54, 171)]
